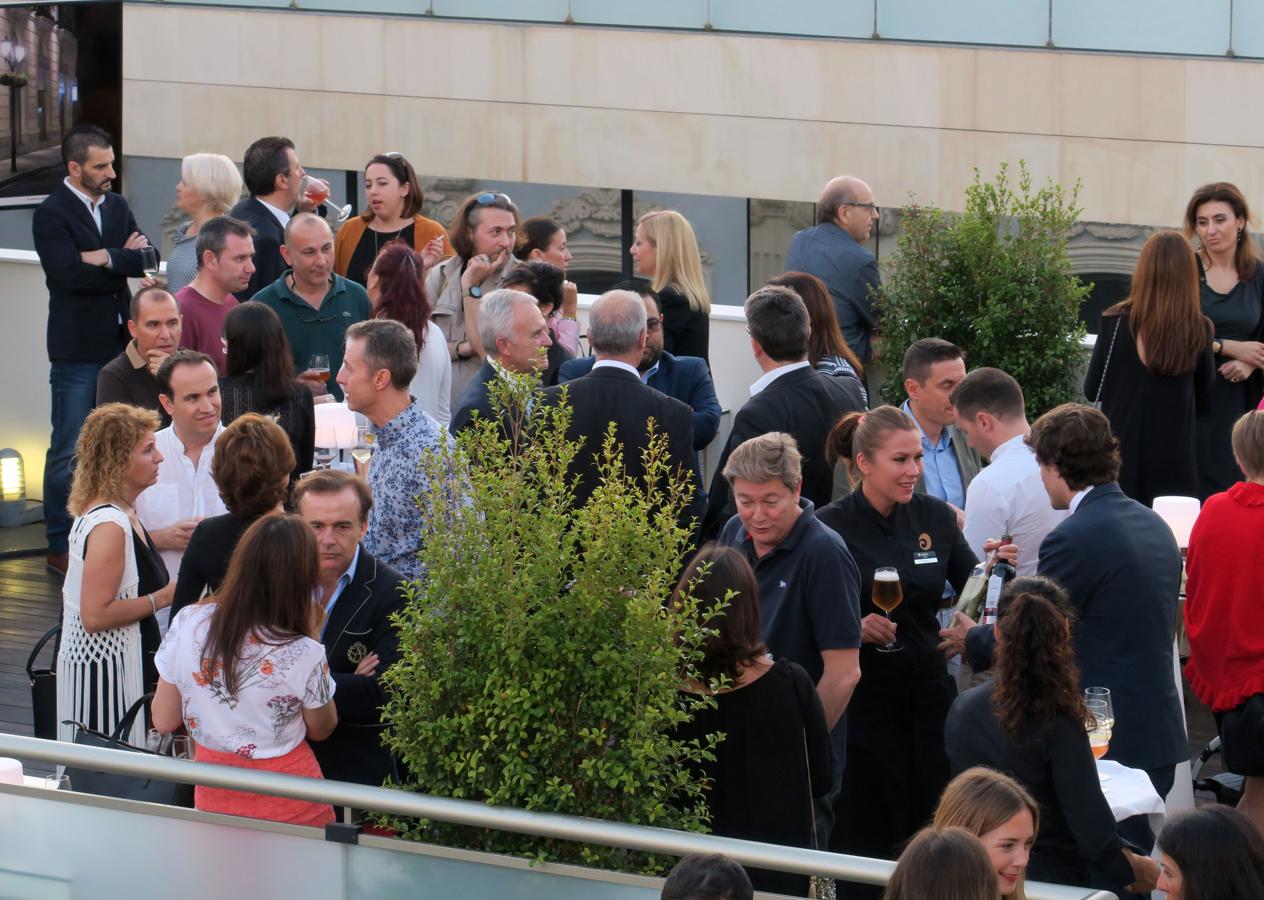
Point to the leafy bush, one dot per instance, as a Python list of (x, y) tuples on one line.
[(996, 281), (539, 664)]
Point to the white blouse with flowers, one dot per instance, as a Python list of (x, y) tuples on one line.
[(276, 682)]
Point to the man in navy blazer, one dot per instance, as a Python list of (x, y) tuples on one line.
[(684, 377), (89, 245), (1120, 565), (273, 176)]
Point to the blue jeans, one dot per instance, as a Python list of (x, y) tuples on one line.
[(74, 387)]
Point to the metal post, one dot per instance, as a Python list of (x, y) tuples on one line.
[(13, 128), (627, 229)]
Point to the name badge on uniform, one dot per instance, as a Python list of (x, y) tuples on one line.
[(925, 558)]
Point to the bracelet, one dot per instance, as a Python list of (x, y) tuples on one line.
[(153, 604)]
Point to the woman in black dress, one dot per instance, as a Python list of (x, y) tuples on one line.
[(1232, 296), (261, 379), (1152, 368), (665, 251), (895, 764), (1029, 722), (775, 757), (251, 467)]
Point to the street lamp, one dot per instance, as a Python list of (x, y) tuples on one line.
[(13, 54)]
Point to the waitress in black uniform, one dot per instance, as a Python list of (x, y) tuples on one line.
[(896, 766)]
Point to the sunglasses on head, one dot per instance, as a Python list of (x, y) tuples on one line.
[(488, 198)]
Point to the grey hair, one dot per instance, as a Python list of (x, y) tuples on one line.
[(496, 315), (769, 457), (388, 345), (616, 322)]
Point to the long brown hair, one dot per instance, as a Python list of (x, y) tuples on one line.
[(718, 574), (1247, 253), (1163, 311), (946, 864), (981, 800), (1036, 675), (267, 593), (825, 338)]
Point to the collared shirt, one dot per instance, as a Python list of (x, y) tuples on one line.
[(93, 203), (1079, 495), (127, 379), (279, 214), (182, 490), (615, 364), (649, 373), (341, 585), (1008, 495), (941, 474), (772, 375), (398, 478), (311, 330)]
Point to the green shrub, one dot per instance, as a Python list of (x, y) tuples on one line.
[(996, 281), (539, 664)]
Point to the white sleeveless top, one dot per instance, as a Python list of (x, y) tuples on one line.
[(98, 675)]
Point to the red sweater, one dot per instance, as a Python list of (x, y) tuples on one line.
[(1224, 607)]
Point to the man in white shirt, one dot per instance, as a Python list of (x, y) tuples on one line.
[(1007, 496), (184, 493)]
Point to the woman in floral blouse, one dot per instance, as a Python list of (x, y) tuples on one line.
[(244, 673)]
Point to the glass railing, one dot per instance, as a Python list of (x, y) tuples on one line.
[(1181, 27)]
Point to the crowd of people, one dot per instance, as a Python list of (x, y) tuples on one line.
[(841, 533)]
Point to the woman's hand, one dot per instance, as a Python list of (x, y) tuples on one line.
[(432, 253), (570, 300), (1249, 352), (164, 596), (1236, 370), (876, 629)]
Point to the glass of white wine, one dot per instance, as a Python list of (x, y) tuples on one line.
[(362, 453), (149, 261)]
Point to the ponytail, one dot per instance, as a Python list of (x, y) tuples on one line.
[(863, 432)]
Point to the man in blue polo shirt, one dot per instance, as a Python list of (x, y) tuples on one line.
[(316, 306), (809, 586)]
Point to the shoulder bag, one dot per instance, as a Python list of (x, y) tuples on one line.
[(1101, 382)]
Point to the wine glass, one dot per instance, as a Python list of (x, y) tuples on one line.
[(57, 782), (1102, 694), (317, 190), (362, 453), (149, 261), (317, 369), (887, 595), (182, 746), (1100, 724)]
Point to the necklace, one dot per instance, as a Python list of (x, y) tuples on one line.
[(389, 235)]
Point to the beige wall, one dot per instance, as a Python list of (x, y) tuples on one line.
[(700, 113)]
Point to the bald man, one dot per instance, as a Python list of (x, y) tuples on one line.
[(833, 250), (316, 305)]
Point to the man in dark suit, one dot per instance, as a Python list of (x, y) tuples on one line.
[(89, 245), (1122, 569), (273, 176), (791, 397), (613, 393), (360, 595), (517, 340), (684, 377)]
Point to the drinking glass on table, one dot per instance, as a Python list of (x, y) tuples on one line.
[(157, 742), (887, 595), (182, 746), (362, 453), (57, 782)]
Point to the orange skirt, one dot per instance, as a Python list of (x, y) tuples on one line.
[(299, 761)]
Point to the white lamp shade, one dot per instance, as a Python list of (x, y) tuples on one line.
[(335, 426), (1179, 513), (12, 475)]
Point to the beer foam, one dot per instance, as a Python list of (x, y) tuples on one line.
[(886, 576)]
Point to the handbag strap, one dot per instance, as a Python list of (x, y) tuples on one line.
[(807, 761), (39, 645), (1101, 383), (129, 717)]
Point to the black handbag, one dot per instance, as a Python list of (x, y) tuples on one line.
[(117, 784), (44, 687), (1242, 737)]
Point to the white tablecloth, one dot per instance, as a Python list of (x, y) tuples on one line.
[(1129, 791)]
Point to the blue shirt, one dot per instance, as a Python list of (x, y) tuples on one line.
[(343, 580), (942, 475)]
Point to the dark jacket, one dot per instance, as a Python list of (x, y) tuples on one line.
[(849, 271), (803, 403), (269, 236), (1121, 567), (474, 399), (611, 395), (684, 377), (360, 624), (87, 305)]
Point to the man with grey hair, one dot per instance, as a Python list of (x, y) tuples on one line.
[(791, 396), (377, 367), (516, 337), (614, 393), (833, 251)]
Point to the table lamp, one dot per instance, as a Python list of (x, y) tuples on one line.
[(12, 488), (1179, 513), (335, 427)]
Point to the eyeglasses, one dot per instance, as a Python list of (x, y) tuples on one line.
[(652, 325), (489, 198), (872, 207)]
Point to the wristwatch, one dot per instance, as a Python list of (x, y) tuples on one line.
[(475, 291), (1217, 347)]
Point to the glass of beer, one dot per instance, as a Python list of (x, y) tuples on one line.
[(1100, 724), (887, 595), (317, 369)]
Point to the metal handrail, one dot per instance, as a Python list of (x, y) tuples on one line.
[(469, 812)]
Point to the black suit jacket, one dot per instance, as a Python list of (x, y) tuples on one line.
[(360, 624), (608, 395), (806, 405), (87, 305), (269, 236), (474, 399), (1122, 569)]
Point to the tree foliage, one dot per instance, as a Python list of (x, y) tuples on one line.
[(994, 280), (540, 664)]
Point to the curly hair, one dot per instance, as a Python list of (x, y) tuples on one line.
[(104, 450), (252, 463), (1036, 675), (1077, 441)]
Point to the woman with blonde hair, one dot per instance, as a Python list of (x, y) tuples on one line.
[(116, 580), (209, 186), (1152, 369), (943, 864), (1001, 814), (666, 251)]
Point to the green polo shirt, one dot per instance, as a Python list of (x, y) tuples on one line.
[(311, 331)]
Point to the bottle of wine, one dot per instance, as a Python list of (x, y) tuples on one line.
[(1002, 574)]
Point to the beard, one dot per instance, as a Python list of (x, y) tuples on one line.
[(651, 356), (94, 188)]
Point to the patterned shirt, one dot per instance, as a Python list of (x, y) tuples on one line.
[(400, 515)]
